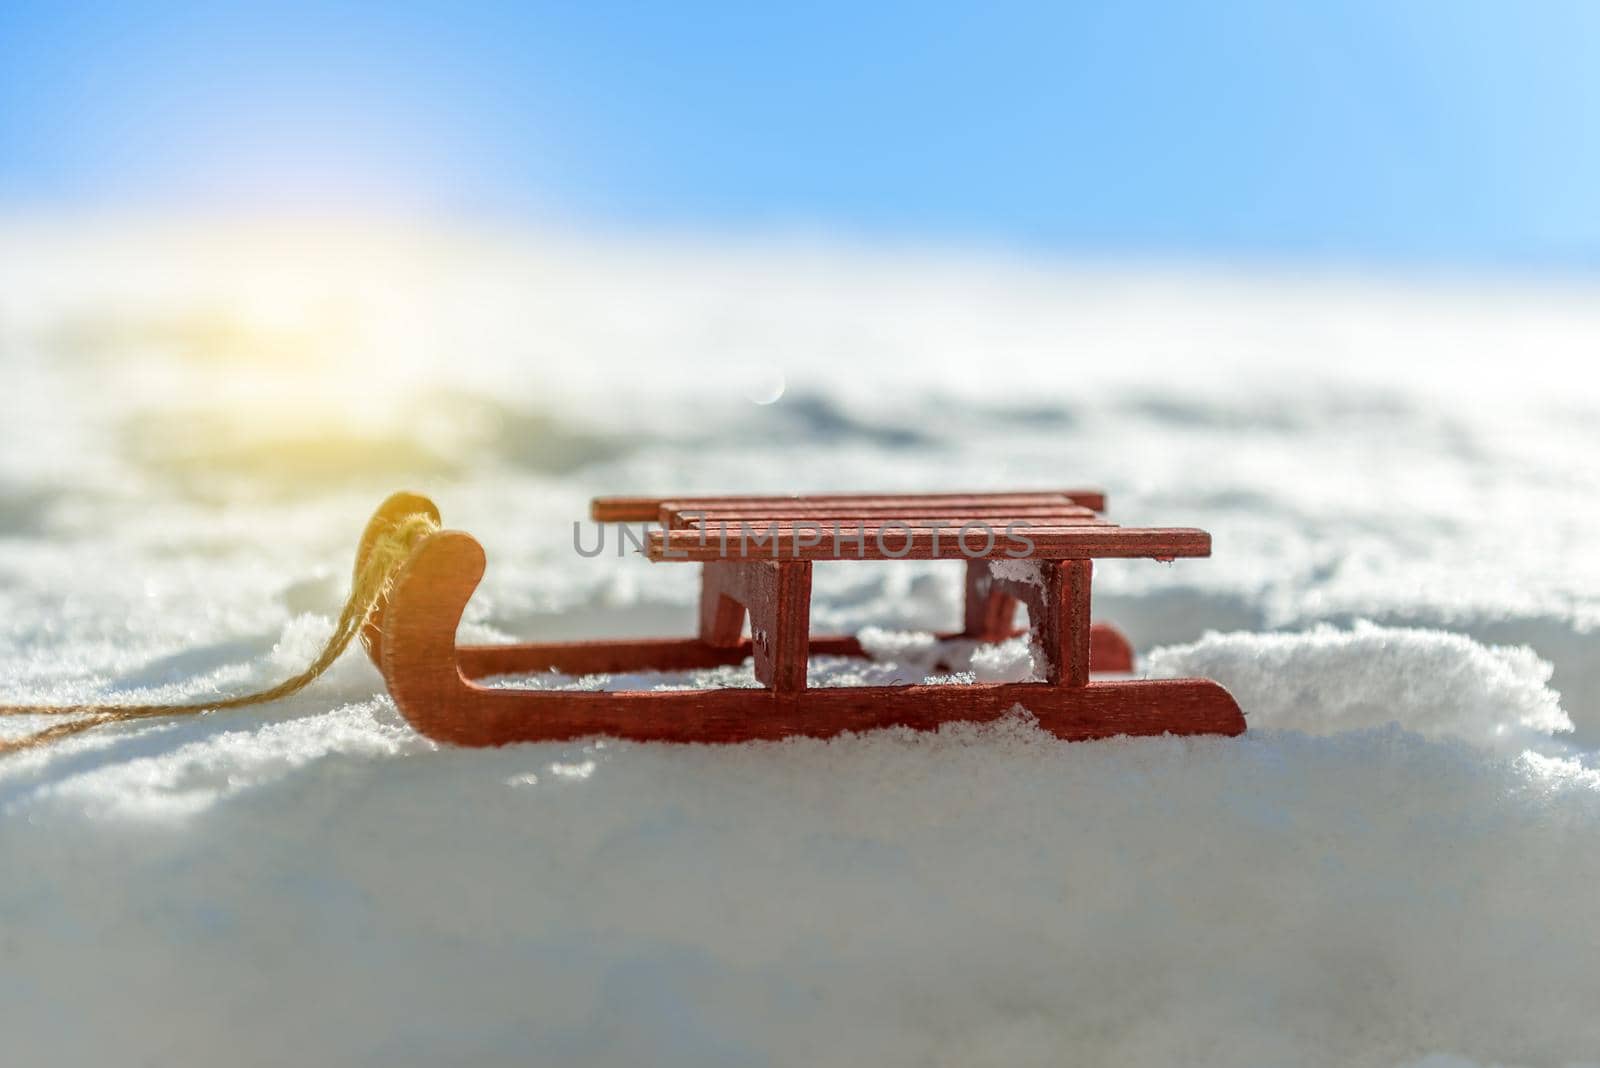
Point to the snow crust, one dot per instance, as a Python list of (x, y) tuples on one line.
[(1395, 866)]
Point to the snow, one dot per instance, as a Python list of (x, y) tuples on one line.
[(1326, 680), (1395, 866)]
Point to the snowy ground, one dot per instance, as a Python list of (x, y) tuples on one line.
[(1397, 865)]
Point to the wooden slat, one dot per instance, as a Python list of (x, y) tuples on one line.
[(1049, 543), (646, 509), (678, 518), (1020, 498), (872, 524), (782, 506)]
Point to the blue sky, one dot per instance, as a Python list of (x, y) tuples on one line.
[(1437, 131)]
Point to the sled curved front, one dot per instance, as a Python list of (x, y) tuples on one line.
[(423, 670)]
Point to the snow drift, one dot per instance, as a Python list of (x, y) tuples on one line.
[(1438, 684)]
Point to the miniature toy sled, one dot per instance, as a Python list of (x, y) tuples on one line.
[(756, 555)]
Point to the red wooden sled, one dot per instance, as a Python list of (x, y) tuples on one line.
[(756, 555)]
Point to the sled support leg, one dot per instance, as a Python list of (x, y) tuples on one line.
[(777, 596), (1057, 595)]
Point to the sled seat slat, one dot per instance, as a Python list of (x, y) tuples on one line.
[(873, 524), (1088, 542), (648, 509), (676, 517)]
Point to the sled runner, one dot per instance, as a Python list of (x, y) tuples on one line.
[(756, 556)]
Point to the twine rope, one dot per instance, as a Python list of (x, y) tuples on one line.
[(390, 548)]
